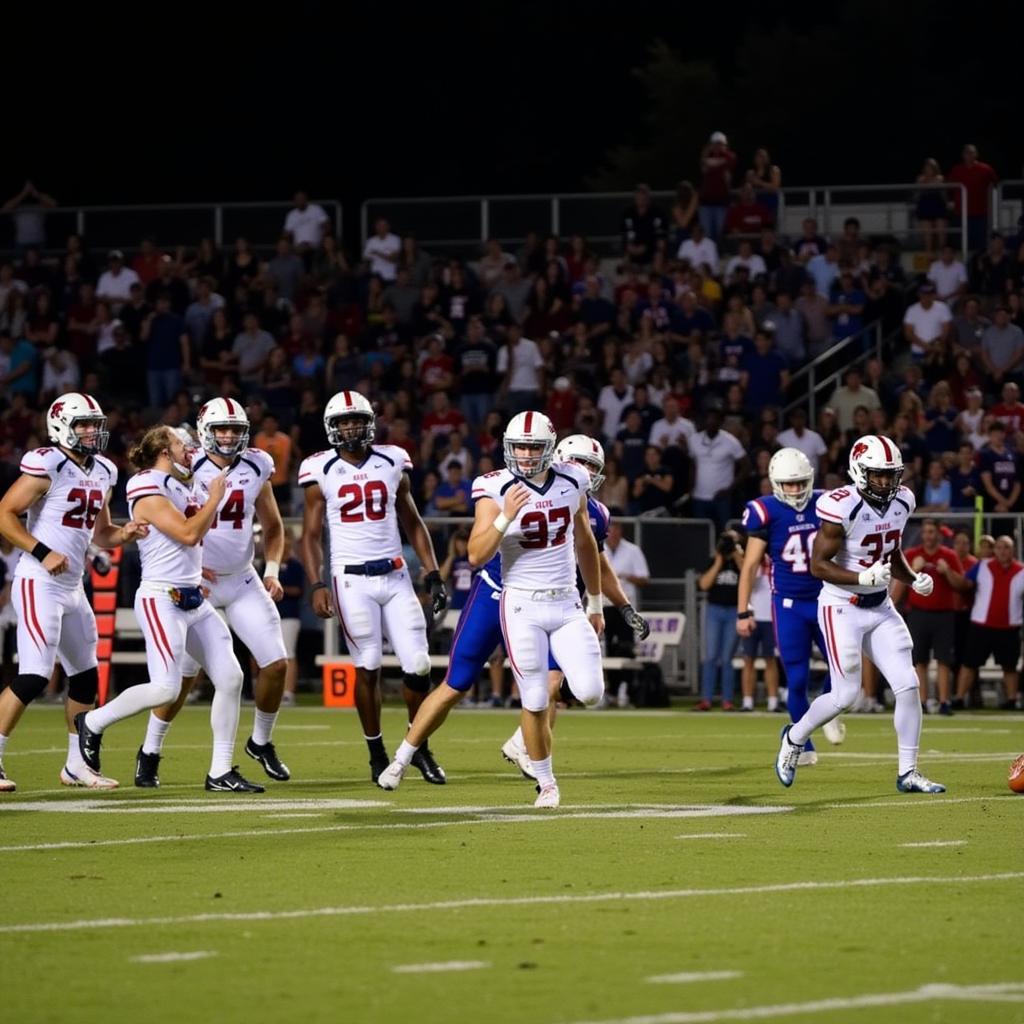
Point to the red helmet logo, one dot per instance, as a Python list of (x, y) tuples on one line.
[(859, 449), (55, 411)]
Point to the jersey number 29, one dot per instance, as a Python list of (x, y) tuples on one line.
[(796, 552)]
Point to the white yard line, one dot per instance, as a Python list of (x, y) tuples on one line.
[(158, 805), (561, 899), (437, 968), (171, 958), (1007, 992), (713, 835), (927, 801), (688, 977), (290, 816), (932, 843)]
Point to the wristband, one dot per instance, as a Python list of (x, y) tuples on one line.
[(40, 551), (502, 522), (317, 586), (745, 615), (271, 569), (595, 606)]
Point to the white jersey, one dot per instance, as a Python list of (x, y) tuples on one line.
[(164, 560), (538, 550), (228, 545), (63, 519), (361, 518), (870, 535)]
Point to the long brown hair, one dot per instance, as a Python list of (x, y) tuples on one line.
[(154, 442)]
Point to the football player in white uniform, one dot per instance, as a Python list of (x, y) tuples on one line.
[(233, 583), (364, 492), (64, 489), (535, 514), (170, 606), (856, 553)]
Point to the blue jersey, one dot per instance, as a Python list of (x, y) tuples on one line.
[(599, 519), (789, 535)]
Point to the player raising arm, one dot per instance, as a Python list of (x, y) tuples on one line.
[(65, 490), (855, 554)]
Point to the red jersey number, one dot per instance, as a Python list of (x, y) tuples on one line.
[(536, 530), (880, 546), (360, 503), (232, 511), (85, 507)]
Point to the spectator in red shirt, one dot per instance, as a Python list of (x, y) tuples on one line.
[(146, 262), (978, 179), (717, 164), (562, 405), (442, 419), (1010, 409), (931, 619), (436, 370), (747, 216)]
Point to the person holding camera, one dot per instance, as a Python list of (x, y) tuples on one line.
[(720, 582)]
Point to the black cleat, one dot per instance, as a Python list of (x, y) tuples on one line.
[(432, 772), (267, 756), (88, 742), (378, 762), (147, 770), (232, 782)]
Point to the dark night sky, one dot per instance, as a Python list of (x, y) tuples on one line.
[(381, 99)]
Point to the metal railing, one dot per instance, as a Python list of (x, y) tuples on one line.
[(466, 222), (173, 224), (1007, 205)]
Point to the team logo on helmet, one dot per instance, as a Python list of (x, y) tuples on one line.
[(55, 409), (858, 450)]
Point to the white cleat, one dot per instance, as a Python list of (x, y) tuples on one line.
[(548, 797), (391, 777), (515, 753), (914, 782), (835, 731), (787, 758), (807, 757), (85, 776), (6, 785)]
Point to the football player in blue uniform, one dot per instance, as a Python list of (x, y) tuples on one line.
[(785, 524), (478, 631)]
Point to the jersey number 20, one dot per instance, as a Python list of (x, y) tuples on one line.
[(369, 502), (796, 552)]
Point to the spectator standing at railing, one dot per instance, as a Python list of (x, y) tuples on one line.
[(978, 178), (810, 243), (491, 265), (684, 213), (146, 262), (766, 179), (932, 207), (926, 323), (717, 166), (644, 228), (383, 249), (1000, 471), (1002, 348), (719, 466), (850, 242), (28, 211), (306, 224), (286, 270), (700, 250), (747, 216), (823, 269), (949, 276), (115, 282)]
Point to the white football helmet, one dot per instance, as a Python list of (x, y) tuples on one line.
[(222, 412), (74, 408), (534, 429), (586, 451), (874, 454), (791, 466), (352, 437)]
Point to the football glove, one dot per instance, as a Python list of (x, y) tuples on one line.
[(877, 575), (636, 622), (923, 584), (438, 593)]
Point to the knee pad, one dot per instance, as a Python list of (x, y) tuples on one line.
[(82, 688), (228, 682), (166, 692), (417, 682), (844, 694), (534, 698), (907, 682), (27, 687)]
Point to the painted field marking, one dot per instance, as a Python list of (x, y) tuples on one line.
[(931, 801), (302, 728), (686, 977), (312, 814), (171, 958), (934, 842), (436, 968), (713, 835), (1012, 992), (159, 805), (473, 902)]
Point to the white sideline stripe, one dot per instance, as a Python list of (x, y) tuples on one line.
[(1011, 991), (172, 806), (932, 801), (506, 901), (314, 814), (712, 835), (685, 977), (435, 968), (934, 842), (171, 958)]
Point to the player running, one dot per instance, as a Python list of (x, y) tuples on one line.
[(170, 607), (855, 554), (65, 490), (535, 516), (233, 583), (364, 492), (785, 524)]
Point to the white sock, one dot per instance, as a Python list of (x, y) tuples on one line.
[(263, 726), (74, 760), (3, 744), (823, 709), (517, 737), (773, 703), (124, 705), (907, 720), (748, 703), (156, 730), (542, 770), (404, 753), (224, 723)]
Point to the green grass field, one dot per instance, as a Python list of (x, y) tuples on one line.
[(679, 882)]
